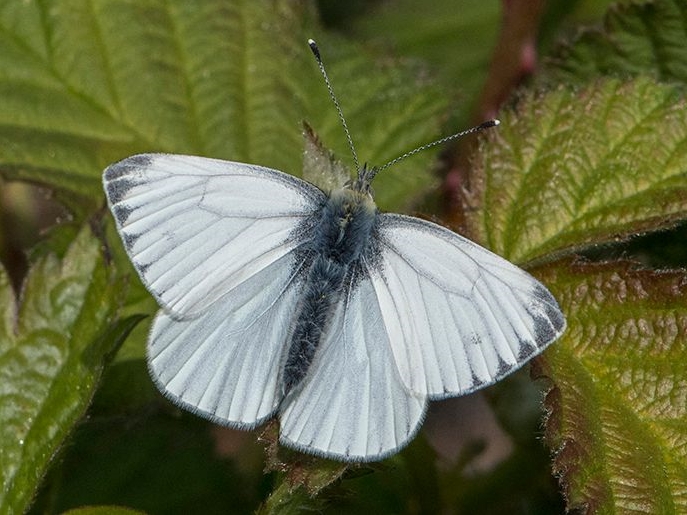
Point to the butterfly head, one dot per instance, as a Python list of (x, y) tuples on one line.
[(362, 183)]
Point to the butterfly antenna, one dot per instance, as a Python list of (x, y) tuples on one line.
[(316, 53), (478, 128)]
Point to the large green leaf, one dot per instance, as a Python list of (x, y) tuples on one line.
[(456, 40), (636, 38), (52, 349), (569, 169), (617, 419), (84, 84)]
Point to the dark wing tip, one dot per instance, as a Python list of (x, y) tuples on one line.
[(125, 166), (120, 177)]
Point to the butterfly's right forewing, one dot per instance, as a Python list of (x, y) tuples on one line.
[(195, 228), (458, 316)]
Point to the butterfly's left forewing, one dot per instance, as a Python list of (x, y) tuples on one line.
[(195, 228), (457, 316)]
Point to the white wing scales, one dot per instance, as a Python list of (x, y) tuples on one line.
[(213, 240), (176, 213), (226, 364), (352, 404), (458, 316)]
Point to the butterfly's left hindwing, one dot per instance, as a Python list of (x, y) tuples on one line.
[(458, 317), (227, 363)]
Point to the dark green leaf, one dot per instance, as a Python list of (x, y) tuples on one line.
[(648, 37), (52, 349)]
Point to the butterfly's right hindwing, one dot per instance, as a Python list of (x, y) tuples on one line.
[(352, 404), (195, 228)]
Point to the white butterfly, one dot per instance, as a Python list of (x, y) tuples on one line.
[(281, 300)]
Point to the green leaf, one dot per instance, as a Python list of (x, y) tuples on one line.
[(52, 348), (87, 84), (457, 45), (617, 418), (566, 170), (636, 38)]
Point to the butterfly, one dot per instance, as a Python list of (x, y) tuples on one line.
[(279, 299)]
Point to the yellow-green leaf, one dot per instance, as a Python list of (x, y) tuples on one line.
[(569, 169), (617, 420)]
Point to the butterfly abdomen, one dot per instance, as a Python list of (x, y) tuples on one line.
[(340, 236)]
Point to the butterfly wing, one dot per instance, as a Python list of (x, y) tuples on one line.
[(457, 316), (195, 228), (213, 241), (352, 404), (226, 364)]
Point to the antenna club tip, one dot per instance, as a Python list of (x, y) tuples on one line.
[(488, 124), (313, 48)]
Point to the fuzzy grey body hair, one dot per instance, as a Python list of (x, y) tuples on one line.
[(341, 236)]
